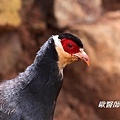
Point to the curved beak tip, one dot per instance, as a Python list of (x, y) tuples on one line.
[(83, 56), (88, 62)]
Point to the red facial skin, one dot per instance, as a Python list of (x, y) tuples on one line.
[(69, 46)]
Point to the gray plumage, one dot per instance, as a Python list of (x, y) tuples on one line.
[(32, 94)]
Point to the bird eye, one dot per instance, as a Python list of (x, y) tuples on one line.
[(69, 45)]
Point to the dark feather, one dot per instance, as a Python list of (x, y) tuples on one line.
[(72, 37), (32, 94)]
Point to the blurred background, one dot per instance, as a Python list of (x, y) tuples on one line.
[(26, 24)]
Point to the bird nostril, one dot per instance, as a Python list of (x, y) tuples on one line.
[(86, 59)]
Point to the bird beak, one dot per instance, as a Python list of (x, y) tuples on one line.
[(83, 56)]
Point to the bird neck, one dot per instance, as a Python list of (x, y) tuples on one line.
[(44, 72), (43, 82), (47, 53)]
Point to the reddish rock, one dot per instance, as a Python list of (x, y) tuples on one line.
[(10, 51), (100, 81)]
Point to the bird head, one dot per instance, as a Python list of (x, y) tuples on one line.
[(69, 49)]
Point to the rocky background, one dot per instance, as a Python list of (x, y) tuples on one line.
[(26, 24)]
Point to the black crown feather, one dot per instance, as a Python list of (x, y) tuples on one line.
[(72, 37)]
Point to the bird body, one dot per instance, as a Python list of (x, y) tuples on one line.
[(32, 94)]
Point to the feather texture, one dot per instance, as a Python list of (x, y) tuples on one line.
[(32, 94)]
